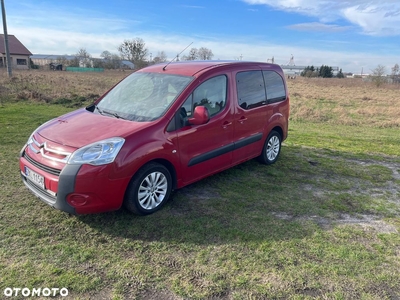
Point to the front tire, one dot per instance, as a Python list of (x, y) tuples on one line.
[(272, 148), (149, 189)]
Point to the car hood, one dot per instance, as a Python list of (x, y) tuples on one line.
[(82, 127)]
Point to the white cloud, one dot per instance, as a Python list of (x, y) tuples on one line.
[(375, 19), (315, 26), (52, 41), (372, 16), (97, 34), (48, 41)]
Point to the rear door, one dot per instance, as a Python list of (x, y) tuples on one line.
[(250, 114)]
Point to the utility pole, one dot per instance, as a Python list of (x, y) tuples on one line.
[(8, 59)]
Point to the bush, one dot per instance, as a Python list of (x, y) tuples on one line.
[(377, 75)]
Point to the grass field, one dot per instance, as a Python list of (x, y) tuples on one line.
[(321, 223)]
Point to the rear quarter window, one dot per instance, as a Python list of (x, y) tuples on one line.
[(250, 89), (274, 86)]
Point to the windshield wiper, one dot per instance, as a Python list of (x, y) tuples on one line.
[(99, 110), (114, 114)]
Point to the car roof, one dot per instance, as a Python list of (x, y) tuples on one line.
[(193, 68)]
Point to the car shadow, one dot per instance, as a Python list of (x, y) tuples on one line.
[(303, 192)]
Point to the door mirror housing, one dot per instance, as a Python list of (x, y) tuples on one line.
[(200, 116)]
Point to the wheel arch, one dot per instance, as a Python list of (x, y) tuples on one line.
[(278, 123), (278, 129), (170, 167), (166, 163)]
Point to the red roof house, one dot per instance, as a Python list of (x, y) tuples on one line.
[(19, 54)]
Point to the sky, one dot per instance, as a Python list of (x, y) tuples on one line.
[(354, 35)]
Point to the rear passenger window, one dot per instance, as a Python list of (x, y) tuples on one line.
[(275, 86), (250, 89)]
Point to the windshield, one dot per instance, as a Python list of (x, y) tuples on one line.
[(143, 96)]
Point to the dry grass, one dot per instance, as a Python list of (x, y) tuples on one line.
[(334, 101), (345, 102), (50, 86)]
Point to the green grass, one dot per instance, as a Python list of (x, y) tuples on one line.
[(321, 223), (347, 139)]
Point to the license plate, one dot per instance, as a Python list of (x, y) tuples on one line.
[(34, 177)]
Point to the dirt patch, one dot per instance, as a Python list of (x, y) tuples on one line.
[(389, 190), (362, 220), (394, 166)]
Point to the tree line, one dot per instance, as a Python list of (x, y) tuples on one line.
[(378, 75), (133, 50), (323, 71)]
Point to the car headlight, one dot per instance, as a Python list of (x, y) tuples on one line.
[(99, 153)]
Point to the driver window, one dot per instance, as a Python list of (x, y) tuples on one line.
[(211, 94)]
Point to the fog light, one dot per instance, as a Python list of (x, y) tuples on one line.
[(78, 199)]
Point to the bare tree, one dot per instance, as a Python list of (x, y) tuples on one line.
[(161, 57), (135, 51), (202, 54), (110, 60), (62, 60), (74, 62), (193, 55), (106, 54), (205, 53), (115, 61), (395, 73), (378, 75), (84, 58)]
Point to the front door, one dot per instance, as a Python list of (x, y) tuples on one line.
[(206, 149)]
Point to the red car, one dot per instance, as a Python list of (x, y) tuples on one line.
[(161, 128)]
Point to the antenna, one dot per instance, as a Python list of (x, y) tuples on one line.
[(177, 56)]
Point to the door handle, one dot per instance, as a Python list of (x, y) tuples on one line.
[(242, 120), (226, 124)]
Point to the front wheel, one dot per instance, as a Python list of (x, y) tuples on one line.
[(272, 148), (149, 189)]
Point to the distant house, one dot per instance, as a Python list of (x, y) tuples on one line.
[(19, 54), (126, 64), (44, 60)]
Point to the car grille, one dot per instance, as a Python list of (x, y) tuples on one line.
[(42, 167)]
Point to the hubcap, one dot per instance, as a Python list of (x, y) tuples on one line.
[(273, 148), (152, 190)]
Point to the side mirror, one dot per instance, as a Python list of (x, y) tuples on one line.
[(200, 116)]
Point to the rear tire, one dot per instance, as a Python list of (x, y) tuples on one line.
[(271, 149), (149, 189)]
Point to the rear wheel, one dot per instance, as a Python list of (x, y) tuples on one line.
[(272, 148), (149, 189)]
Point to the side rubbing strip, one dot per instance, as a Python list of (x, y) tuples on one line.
[(212, 154), (225, 149), (248, 141)]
